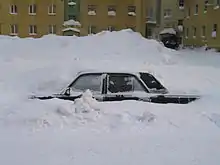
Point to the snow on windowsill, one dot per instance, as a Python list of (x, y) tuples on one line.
[(111, 13), (167, 16), (32, 13), (195, 14), (51, 13), (14, 13), (186, 37), (216, 7), (72, 3), (181, 7), (32, 34), (131, 13), (180, 28), (151, 22), (203, 37), (92, 13), (194, 37)]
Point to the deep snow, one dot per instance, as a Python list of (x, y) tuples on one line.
[(58, 132)]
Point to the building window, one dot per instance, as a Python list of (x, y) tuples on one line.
[(52, 29), (181, 4), (206, 6), (112, 10), (32, 29), (14, 29), (194, 32), (217, 2), (111, 28), (196, 9), (180, 22), (13, 9), (91, 10), (203, 31), (214, 30), (188, 12), (150, 14), (91, 29), (131, 10), (52, 9), (167, 13), (32, 9), (186, 32)]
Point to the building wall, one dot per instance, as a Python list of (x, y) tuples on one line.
[(206, 19), (42, 20), (102, 20), (176, 13)]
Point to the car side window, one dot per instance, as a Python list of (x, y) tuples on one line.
[(151, 81), (123, 83), (88, 81)]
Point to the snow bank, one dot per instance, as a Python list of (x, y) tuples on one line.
[(90, 132)]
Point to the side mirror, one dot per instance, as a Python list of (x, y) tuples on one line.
[(67, 91)]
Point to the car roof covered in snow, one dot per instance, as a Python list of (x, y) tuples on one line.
[(126, 71)]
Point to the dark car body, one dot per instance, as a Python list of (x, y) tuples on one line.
[(119, 86), (171, 41)]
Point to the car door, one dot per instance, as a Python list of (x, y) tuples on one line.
[(89, 81), (123, 86)]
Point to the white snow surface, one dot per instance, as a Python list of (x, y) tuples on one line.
[(87, 132)]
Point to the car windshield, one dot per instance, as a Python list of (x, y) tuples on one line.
[(151, 81)]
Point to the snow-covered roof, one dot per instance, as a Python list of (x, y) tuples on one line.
[(72, 3), (71, 22), (71, 29), (168, 31)]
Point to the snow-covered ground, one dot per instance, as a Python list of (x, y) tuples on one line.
[(58, 132)]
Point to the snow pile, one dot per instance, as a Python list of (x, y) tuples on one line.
[(90, 132), (86, 103)]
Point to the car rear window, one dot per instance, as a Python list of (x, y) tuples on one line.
[(151, 81)]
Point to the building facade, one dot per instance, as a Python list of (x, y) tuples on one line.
[(163, 14), (99, 15), (31, 18), (201, 23)]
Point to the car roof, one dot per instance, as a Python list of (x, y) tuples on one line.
[(94, 71)]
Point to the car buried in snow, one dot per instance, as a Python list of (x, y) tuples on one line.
[(119, 86)]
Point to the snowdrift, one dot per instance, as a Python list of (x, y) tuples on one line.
[(87, 132)]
